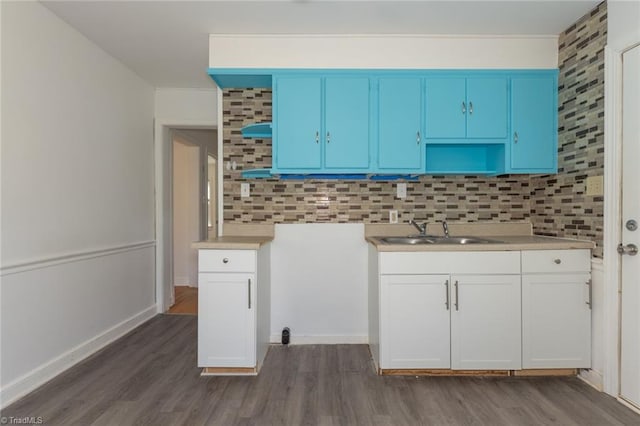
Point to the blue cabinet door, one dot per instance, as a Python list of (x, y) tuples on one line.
[(297, 120), (445, 108), (400, 144), (535, 135), (346, 138), (487, 108)]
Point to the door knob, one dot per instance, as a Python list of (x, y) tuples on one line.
[(630, 249)]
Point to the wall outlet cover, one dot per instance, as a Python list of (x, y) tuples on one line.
[(401, 190), (393, 216), (245, 190), (595, 186)]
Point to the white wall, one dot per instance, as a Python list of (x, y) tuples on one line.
[(183, 106), (186, 214), (319, 283), (77, 197), (623, 23), (381, 51)]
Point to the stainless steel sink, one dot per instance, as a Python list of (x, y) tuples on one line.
[(408, 240), (428, 239), (464, 240)]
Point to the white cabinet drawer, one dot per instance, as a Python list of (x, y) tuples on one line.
[(477, 262), (226, 260), (556, 261)]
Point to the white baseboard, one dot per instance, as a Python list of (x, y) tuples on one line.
[(322, 340), (42, 374), (593, 378)]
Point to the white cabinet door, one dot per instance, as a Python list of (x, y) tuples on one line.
[(485, 322), (415, 327), (556, 321), (226, 320)]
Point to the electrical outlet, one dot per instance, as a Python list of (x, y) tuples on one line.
[(393, 216), (595, 186), (401, 189), (245, 190)]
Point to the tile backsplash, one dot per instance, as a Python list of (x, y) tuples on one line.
[(555, 204), (559, 204)]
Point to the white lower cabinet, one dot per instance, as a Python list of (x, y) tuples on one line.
[(485, 322), (480, 310), (415, 321), (233, 309), (458, 317), (226, 320), (556, 309)]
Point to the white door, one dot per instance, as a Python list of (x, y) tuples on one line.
[(485, 322), (415, 321), (630, 296), (556, 321), (226, 320)]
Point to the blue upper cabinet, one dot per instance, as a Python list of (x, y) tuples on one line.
[(347, 123), (534, 114), (446, 115), (321, 124), (297, 123), (460, 110), (400, 146)]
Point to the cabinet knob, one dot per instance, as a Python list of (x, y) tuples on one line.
[(557, 261), (225, 260)]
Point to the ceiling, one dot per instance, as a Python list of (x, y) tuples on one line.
[(166, 42)]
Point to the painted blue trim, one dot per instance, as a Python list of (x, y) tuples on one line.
[(256, 173), (226, 78), (323, 176), (257, 130)]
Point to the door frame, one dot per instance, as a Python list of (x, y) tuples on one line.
[(612, 216), (163, 153)]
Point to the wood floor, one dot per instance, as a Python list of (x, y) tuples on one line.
[(186, 301), (149, 377)]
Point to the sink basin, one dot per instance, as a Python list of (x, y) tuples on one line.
[(408, 240), (429, 239), (464, 240)]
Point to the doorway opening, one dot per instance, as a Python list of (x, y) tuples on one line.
[(193, 211)]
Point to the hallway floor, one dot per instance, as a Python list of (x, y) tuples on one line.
[(186, 301)]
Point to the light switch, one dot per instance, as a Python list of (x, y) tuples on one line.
[(401, 190), (244, 190)]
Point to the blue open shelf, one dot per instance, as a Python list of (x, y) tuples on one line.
[(257, 130)]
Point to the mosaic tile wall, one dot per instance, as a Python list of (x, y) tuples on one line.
[(559, 206), (457, 198)]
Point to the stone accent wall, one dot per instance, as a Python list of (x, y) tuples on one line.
[(559, 204), (455, 198)]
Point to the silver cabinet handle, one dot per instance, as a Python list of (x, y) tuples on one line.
[(515, 137), (317, 137), (470, 107), (446, 286), (464, 108), (225, 260), (590, 287), (328, 137), (418, 137), (249, 288), (457, 298)]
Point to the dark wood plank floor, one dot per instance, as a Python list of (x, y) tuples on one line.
[(149, 377)]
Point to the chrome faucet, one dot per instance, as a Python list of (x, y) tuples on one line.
[(422, 228), (445, 228)]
